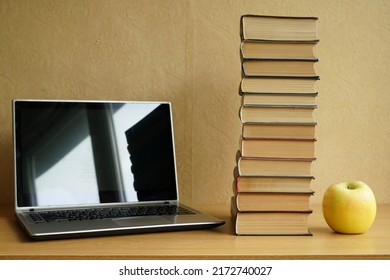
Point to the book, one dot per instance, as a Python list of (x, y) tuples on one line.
[(271, 223), (278, 50), (278, 131), (278, 99), (279, 68), (278, 148), (273, 184), (278, 85), (273, 202), (274, 167), (278, 28), (277, 114)]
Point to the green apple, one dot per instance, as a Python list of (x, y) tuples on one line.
[(349, 207)]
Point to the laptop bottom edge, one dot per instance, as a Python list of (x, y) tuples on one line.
[(145, 229)]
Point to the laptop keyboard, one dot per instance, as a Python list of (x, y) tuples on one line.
[(107, 213)]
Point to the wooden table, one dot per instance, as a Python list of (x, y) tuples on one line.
[(218, 243)]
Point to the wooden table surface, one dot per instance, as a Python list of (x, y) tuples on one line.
[(218, 243)]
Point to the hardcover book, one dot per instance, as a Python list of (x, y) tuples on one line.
[(270, 184), (278, 131), (278, 85), (278, 50), (279, 28), (279, 68)]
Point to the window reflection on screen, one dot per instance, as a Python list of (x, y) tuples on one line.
[(78, 153), (123, 119), (72, 180)]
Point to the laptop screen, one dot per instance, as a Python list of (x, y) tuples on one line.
[(85, 152)]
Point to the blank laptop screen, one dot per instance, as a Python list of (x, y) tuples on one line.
[(77, 153)]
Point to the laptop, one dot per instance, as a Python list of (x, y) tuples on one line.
[(92, 168)]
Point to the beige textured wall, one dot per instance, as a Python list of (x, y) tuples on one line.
[(187, 52)]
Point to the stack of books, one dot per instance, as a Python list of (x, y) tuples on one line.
[(273, 184)]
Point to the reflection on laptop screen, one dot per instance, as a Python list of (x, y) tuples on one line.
[(93, 152)]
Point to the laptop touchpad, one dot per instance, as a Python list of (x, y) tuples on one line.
[(141, 221)]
